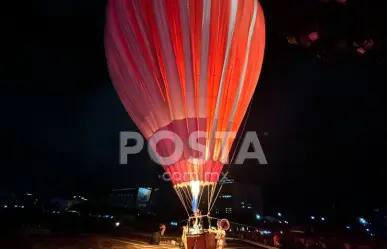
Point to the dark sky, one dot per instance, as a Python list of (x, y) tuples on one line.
[(61, 117)]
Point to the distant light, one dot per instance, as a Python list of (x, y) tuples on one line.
[(363, 221), (74, 196), (117, 224), (28, 194), (367, 229), (312, 217), (322, 218), (279, 221), (279, 214), (257, 216), (281, 232), (286, 222), (22, 206), (348, 227), (15, 206), (5, 206)]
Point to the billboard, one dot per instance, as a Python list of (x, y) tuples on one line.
[(143, 197)]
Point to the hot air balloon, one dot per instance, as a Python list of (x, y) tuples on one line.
[(183, 67)]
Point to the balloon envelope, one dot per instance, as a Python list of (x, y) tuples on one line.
[(186, 67)]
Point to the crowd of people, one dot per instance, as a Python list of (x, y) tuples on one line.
[(299, 240)]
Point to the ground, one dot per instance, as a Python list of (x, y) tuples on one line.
[(92, 242)]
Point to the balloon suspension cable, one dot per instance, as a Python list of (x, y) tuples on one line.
[(181, 197), (234, 152), (179, 194), (200, 197), (213, 192), (208, 199), (187, 197), (187, 193)]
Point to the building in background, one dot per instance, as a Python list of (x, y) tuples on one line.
[(238, 201), (129, 199)]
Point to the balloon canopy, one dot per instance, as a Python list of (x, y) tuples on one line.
[(183, 67)]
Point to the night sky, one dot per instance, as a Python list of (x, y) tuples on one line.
[(324, 121)]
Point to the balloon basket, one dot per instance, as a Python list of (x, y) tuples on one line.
[(205, 240)]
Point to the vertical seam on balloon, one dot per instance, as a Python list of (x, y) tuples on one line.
[(174, 27), (134, 21), (232, 19), (173, 15), (245, 63), (204, 53), (156, 43), (159, 10), (195, 50), (170, 49), (122, 40), (252, 77), (140, 65), (189, 80), (196, 18), (217, 26), (188, 63), (204, 47), (128, 55), (115, 26)]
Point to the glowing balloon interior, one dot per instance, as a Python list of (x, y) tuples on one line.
[(183, 67)]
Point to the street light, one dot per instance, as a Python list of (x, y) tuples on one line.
[(257, 216), (279, 214), (312, 217)]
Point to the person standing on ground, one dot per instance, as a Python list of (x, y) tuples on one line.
[(162, 229)]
